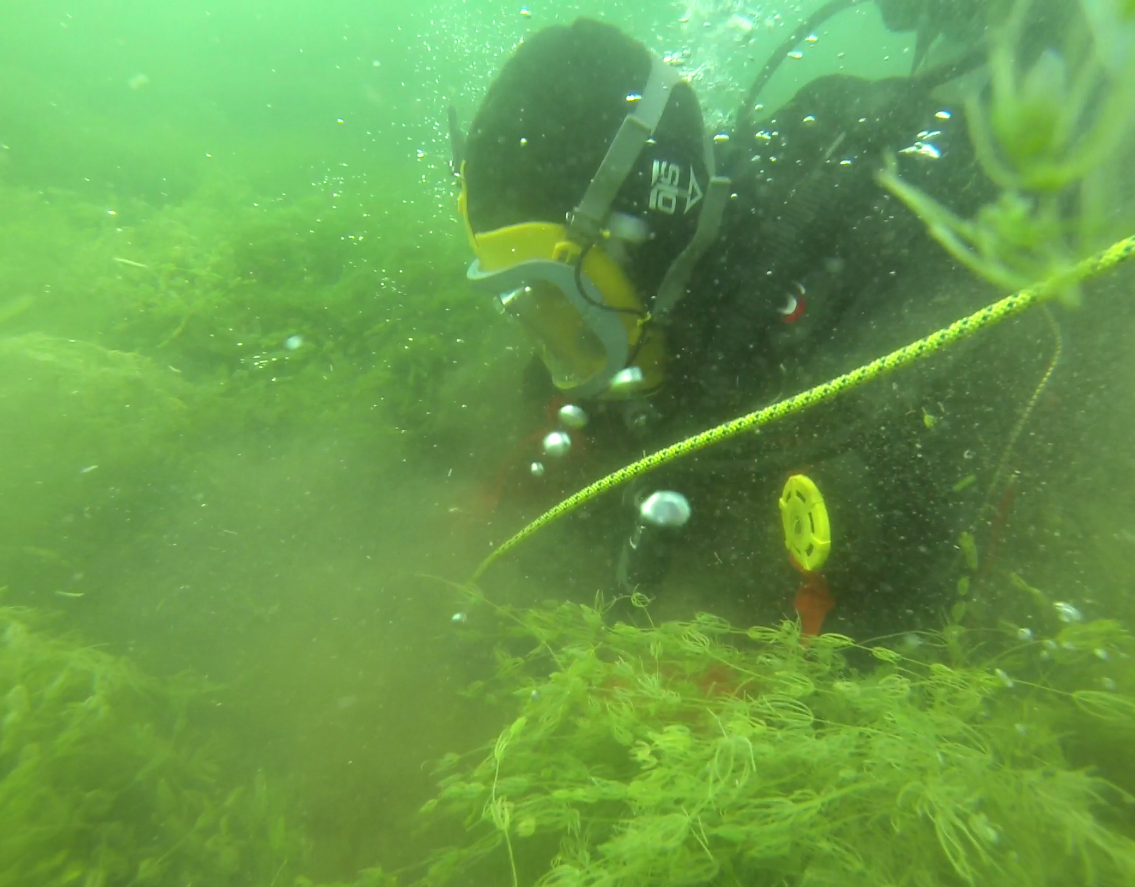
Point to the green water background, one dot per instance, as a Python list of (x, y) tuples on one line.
[(184, 187)]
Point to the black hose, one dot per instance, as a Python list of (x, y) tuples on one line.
[(933, 78), (742, 127)]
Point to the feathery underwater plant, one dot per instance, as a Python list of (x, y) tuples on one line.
[(1052, 138), (106, 782), (696, 753)]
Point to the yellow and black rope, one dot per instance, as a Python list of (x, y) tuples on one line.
[(1008, 307)]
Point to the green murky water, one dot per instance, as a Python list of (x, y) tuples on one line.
[(256, 432)]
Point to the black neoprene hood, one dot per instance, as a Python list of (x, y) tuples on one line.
[(547, 121)]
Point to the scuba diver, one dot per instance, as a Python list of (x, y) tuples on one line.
[(672, 280)]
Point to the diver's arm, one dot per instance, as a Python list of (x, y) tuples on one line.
[(811, 271)]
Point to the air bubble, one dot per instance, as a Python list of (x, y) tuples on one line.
[(1066, 612), (557, 444), (665, 508)]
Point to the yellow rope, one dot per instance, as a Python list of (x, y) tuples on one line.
[(1010, 306)]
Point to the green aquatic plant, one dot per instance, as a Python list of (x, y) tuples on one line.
[(107, 780), (278, 312), (696, 753), (1052, 138), (84, 426), (134, 344)]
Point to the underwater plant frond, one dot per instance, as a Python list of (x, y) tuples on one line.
[(1046, 137), (103, 780), (693, 753)]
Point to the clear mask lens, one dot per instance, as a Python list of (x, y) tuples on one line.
[(570, 350)]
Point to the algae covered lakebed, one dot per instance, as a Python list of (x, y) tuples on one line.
[(256, 433)]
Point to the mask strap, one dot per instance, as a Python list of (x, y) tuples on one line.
[(585, 222), (673, 285)]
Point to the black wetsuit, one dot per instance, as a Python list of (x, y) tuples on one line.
[(818, 270), (809, 220), (817, 273)]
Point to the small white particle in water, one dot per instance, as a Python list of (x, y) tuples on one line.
[(922, 149), (1101, 653), (1067, 612), (459, 618), (1024, 634), (292, 343), (88, 469), (1005, 679)]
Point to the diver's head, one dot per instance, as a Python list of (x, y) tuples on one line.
[(586, 176)]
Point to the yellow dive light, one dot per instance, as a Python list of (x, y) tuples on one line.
[(807, 531)]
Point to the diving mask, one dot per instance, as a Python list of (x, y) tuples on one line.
[(576, 304), (562, 283)]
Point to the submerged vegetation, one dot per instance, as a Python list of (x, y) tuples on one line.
[(135, 336), (132, 343), (135, 348), (109, 778), (690, 753), (679, 753), (1053, 139), (304, 304)]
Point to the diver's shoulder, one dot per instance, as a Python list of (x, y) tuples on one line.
[(838, 124), (846, 99)]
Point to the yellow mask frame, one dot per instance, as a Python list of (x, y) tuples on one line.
[(598, 328)]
